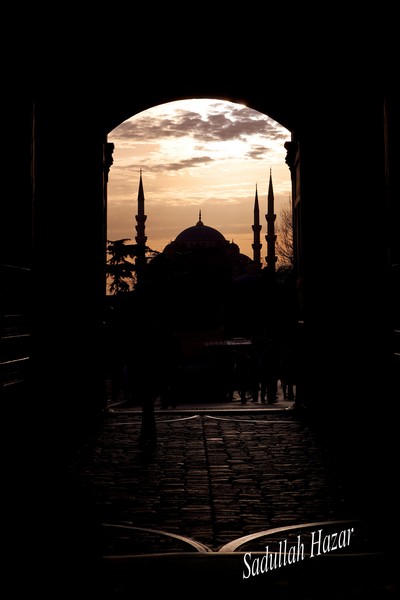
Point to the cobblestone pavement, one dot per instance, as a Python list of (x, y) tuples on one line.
[(221, 484)]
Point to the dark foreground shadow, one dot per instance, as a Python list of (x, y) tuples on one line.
[(351, 577)]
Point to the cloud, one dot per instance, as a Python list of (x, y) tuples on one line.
[(258, 152), (221, 122), (161, 167), (237, 124), (187, 163)]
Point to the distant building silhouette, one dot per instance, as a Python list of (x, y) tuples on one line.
[(205, 281), (201, 238)]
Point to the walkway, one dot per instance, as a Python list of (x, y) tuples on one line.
[(223, 482)]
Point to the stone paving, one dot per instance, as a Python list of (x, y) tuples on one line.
[(213, 477), (216, 477)]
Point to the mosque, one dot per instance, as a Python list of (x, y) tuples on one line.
[(205, 282), (206, 244), (210, 294)]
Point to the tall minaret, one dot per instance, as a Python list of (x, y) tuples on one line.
[(140, 238), (270, 237), (256, 245)]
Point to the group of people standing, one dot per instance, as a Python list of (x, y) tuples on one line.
[(259, 368)]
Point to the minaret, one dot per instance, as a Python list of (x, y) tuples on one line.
[(140, 238), (256, 245), (270, 237)]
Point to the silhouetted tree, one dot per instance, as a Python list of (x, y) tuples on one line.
[(119, 268), (284, 241)]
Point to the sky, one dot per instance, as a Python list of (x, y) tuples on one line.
[(200, 154)]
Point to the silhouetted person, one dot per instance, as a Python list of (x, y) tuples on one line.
[(152, 371), (245, 374), (268, 364), (288, 373)]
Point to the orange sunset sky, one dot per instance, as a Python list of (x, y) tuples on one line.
[(200, 154)]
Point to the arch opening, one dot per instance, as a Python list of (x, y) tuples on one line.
[(208, 162), (196, 154)]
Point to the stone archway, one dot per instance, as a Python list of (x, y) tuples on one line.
[(338, 219), (55, 162)]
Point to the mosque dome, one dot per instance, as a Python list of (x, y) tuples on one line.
[(200, 235)]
